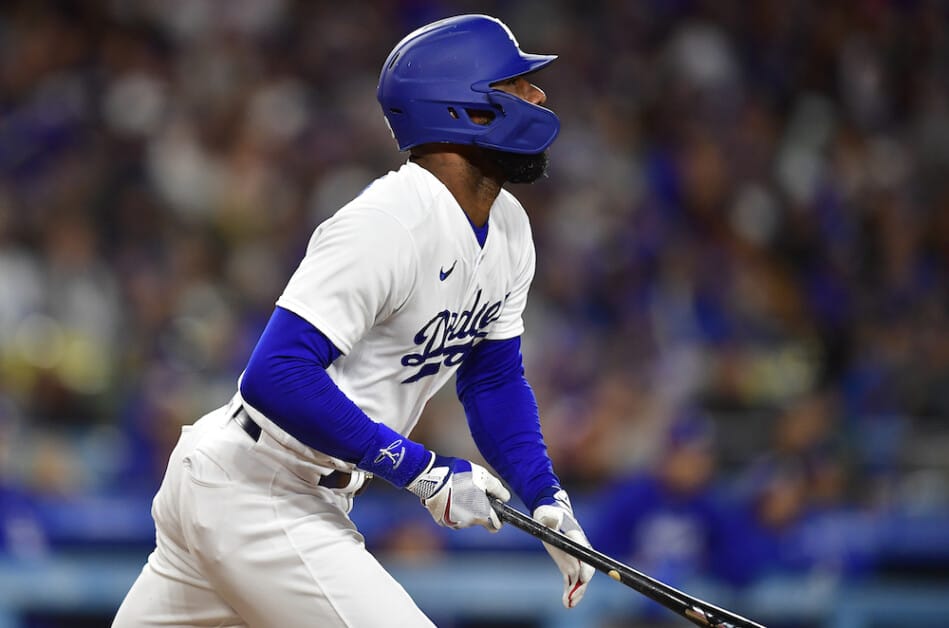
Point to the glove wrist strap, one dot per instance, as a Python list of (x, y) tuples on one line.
[(431, 479), (546, 497)]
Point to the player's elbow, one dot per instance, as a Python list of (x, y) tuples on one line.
[(253, 385), (265, 379)]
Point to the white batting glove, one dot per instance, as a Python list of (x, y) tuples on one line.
[(456, 492), (558, 515)]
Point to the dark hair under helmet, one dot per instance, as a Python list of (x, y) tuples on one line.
[(440, 71)]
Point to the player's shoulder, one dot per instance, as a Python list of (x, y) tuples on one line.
[(370, 220), (407, 195)]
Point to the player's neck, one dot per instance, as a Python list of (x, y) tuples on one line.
[(472, 180)]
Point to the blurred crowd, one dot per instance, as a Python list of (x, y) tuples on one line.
[(743, 243)]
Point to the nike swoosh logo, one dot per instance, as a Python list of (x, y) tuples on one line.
[(575, 587), (447, 516), (443, 274)]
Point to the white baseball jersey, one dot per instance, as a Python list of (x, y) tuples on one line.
[(397, 281)]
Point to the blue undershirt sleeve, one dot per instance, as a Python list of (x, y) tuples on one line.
[(286, 381), (504, 420)]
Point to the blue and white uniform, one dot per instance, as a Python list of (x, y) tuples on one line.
[(398, 282), (397, 291)]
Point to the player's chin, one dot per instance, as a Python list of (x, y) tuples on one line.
[(519, 168)]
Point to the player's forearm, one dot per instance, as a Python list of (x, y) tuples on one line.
[(508, 435), (504, 420), (286, 380)]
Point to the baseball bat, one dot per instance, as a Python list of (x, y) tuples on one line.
[(697, 611)]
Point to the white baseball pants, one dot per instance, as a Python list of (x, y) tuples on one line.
[(245, 538)]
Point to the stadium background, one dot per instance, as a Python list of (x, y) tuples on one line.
[(743, 255)]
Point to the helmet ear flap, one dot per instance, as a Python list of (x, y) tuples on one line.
[(523, 127)]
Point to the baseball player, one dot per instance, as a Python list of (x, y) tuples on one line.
[(423, 276)]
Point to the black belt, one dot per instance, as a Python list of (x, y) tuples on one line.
[(335, 480), (247, 424)]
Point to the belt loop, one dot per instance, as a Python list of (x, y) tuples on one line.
[(356, 481), (347, 483)]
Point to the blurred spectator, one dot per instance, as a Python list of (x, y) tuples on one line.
[(21, 533), (764, 528), (664, 520), (787, 514), (809, 432)]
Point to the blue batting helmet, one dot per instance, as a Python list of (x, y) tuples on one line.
[(439, 72)]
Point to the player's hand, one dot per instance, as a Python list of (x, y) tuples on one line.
[(456, 492), (556, 513)]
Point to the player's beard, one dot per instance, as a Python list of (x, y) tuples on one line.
[(518, 168)]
